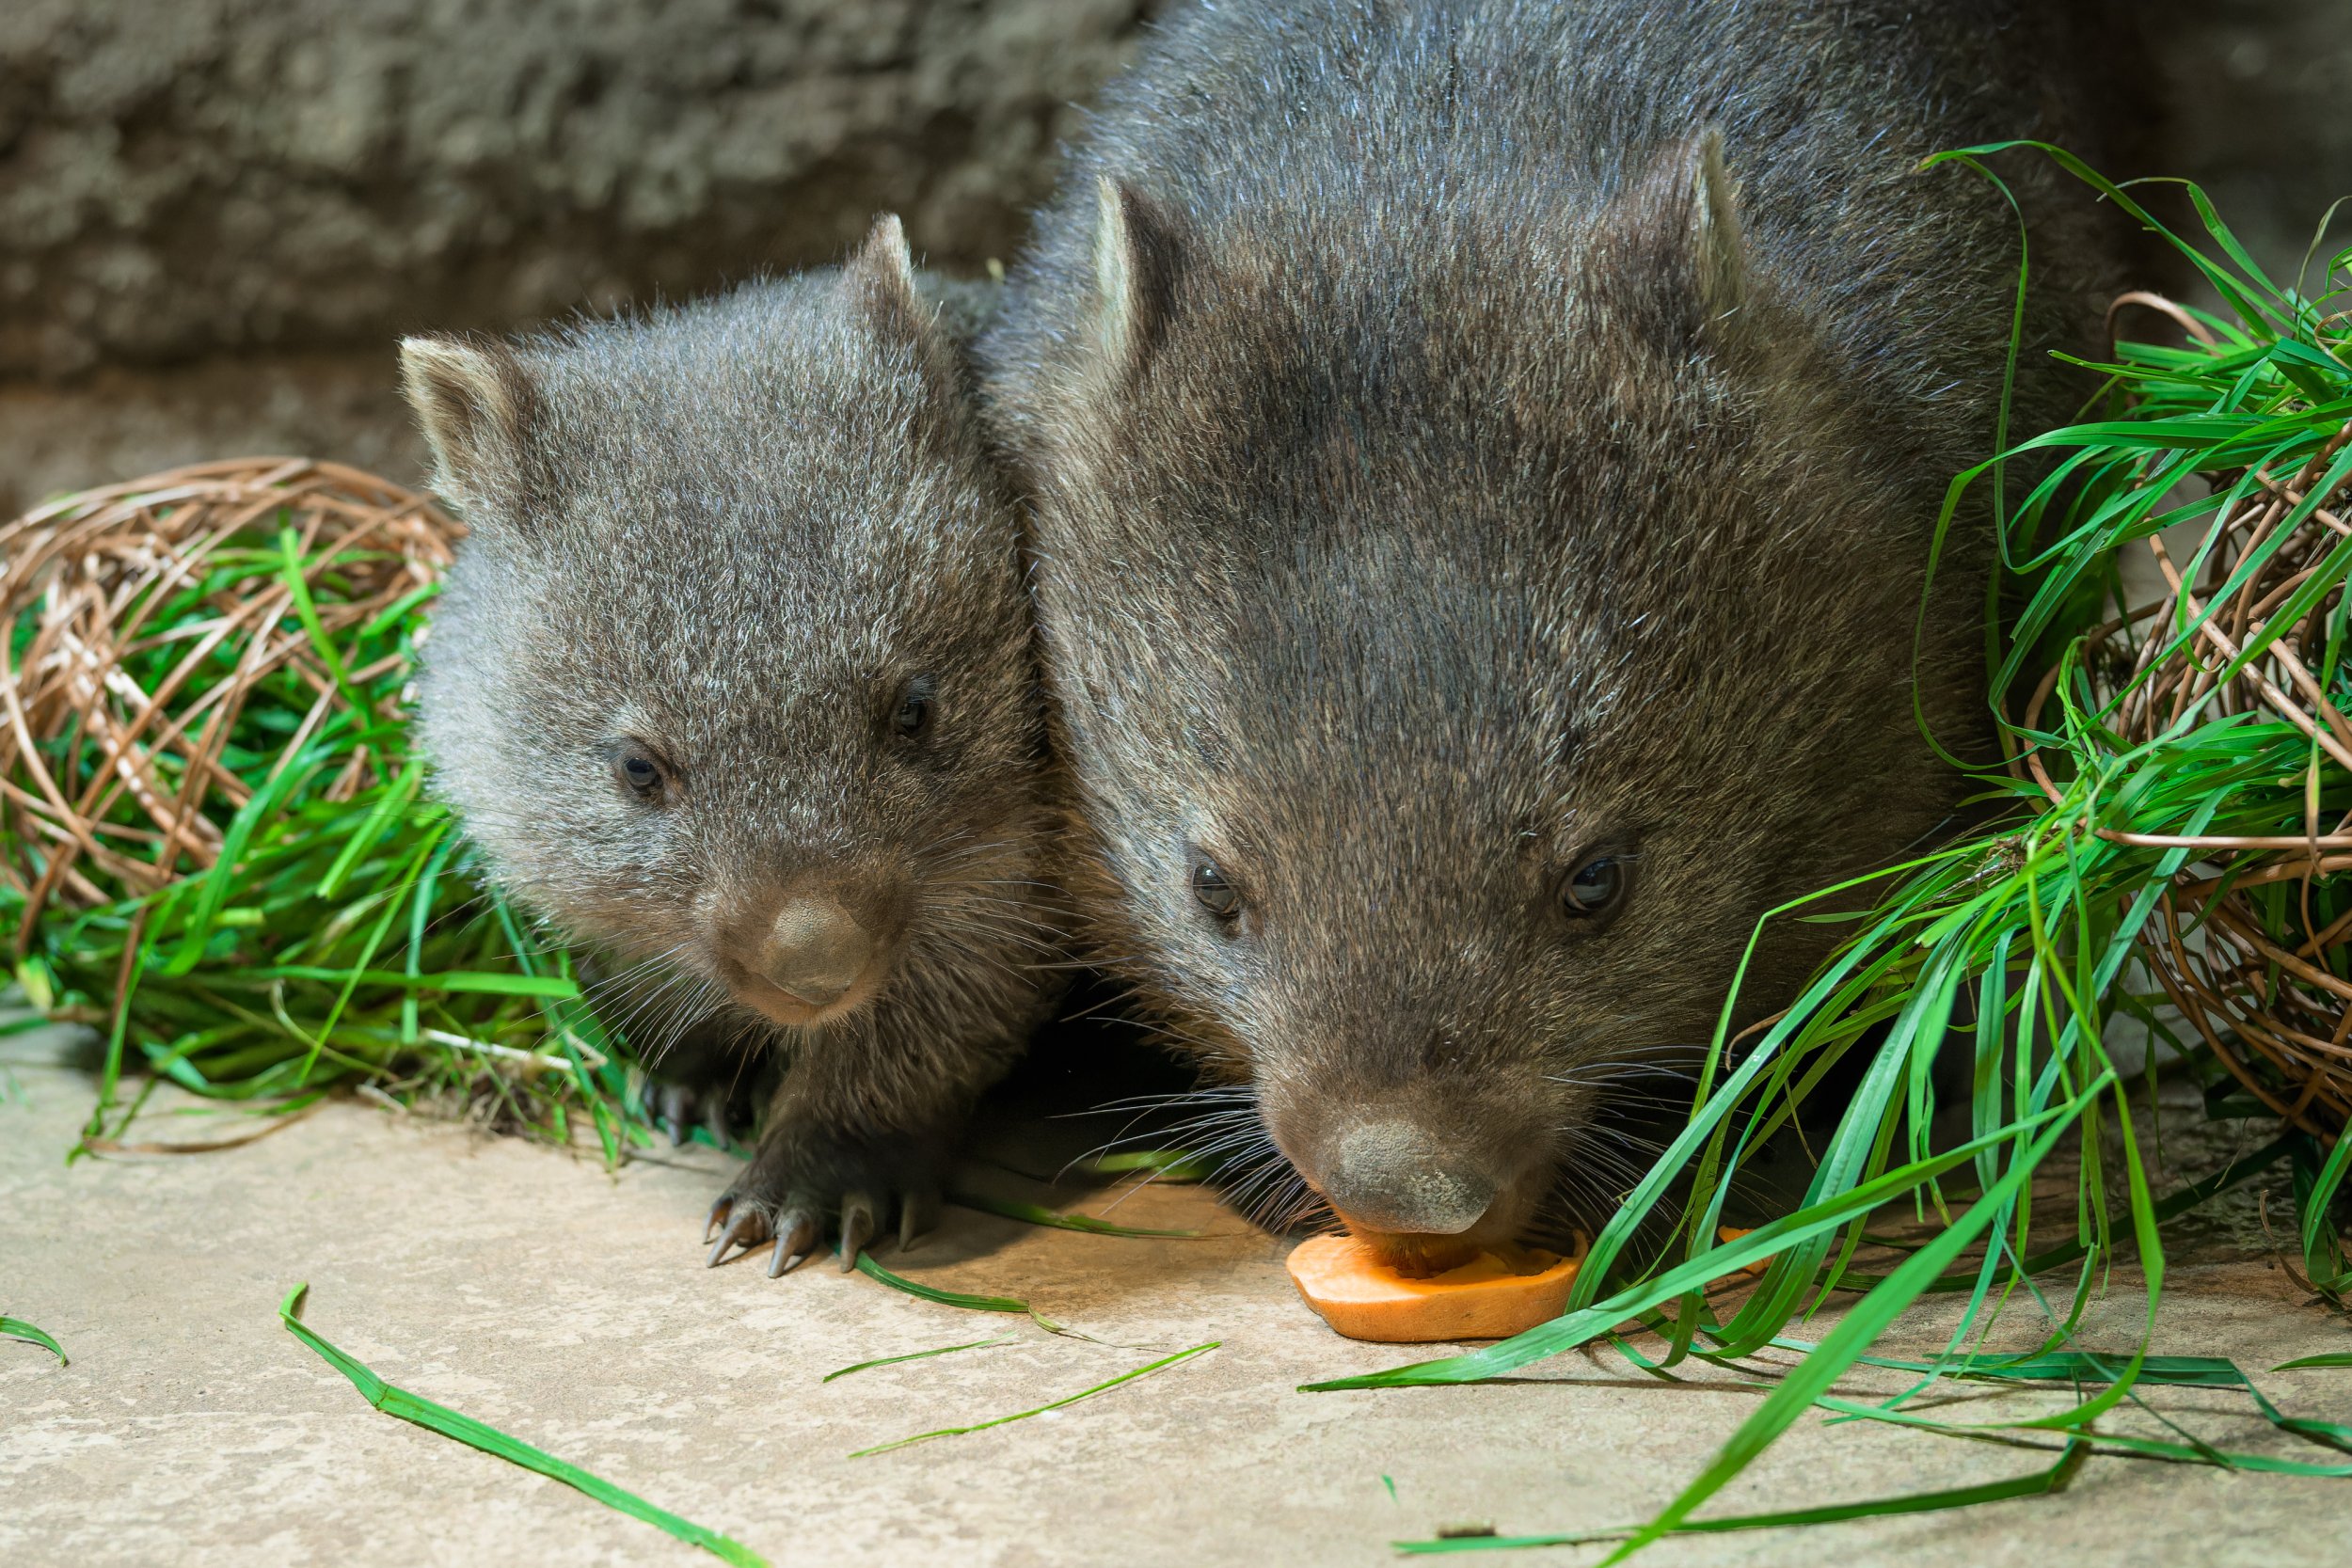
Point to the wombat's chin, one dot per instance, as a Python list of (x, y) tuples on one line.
[(1418, 1255), (781, 1008)]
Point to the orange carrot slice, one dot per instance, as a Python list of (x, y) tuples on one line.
[(1732, 1233), (1487, 1298)]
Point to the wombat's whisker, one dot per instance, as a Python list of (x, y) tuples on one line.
[(637, 980), (1243, 1117), (1019, 916), (1282, 1199), (1238, 1123), (1118, 998), (607, 983), (649, 1018), (1176, 1034), (1598, 1159), (1016, 881), (978, 940), (683, 1007), (1181, 1097), (984, 934)]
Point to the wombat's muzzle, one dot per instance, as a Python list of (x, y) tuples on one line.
[(1391, 1175), (815, 950)]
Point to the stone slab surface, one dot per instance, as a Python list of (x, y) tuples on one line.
[(529, 1287)]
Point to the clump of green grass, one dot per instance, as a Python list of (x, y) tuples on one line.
[(311, 918), (2018, 944)]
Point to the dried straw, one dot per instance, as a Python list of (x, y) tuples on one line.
[(91, 569), (2273, 1010)]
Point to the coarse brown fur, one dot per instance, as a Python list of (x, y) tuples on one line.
[(1475, 441), (717, 554)]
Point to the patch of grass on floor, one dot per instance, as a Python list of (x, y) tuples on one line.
[(334, 930)]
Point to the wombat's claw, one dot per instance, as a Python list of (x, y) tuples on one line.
[(857, 1228), (670, 1104), (917, 1213), (746, 1228), (718, 1216), (677, 1109), (797, 1234)]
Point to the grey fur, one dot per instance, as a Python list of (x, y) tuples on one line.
[(730, 532), (1469, 437)]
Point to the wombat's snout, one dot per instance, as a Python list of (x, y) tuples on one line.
[(1391, 1175), (815, 949)]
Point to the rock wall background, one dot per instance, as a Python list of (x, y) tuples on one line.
[(216, 215)]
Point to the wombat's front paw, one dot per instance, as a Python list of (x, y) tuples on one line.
[(703, 1078), (679, 1108), (797, 1185)]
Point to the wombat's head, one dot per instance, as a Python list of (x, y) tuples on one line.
[(733, 674), (1457, 659)]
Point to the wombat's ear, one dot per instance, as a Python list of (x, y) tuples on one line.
[(1134, 264), (1673, 241), (474, 402), (879, 278)]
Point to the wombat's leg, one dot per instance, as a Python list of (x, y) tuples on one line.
[(699, 1077), (853, 1136), (801, 1177)]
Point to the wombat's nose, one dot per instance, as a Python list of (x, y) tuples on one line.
[(815, 950), (1393, 1175)]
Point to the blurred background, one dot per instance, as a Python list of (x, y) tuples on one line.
[(218, 215)]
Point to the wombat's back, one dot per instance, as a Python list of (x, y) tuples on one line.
[(1393, 137)]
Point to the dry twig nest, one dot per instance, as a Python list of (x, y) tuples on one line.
[(139, 628), (2250, 941)]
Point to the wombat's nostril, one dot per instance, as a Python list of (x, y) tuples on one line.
[(815, 950), (1394, 1176)]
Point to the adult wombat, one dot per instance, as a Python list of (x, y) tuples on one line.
[(1484, 456), (733, 680)]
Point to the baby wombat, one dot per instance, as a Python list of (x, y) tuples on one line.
[(732, 681), (1485, 457)]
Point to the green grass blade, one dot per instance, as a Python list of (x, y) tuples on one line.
[(1861, 1325), (2039, 1483), (915, 1355), (477, 982), (1103, 1387), (306, 611), (1031, 1213), (465, 1429), (2236, 1174), (17, 1328), (871, 1269), (379, 818), (1167, 1164), (2122, 1445), (2334, 1358)]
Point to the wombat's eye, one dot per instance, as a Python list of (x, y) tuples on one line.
[(912, 718), (639, 772), (1595, 888), (1218, 896)]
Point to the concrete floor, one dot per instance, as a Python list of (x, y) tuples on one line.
[(533, 1291)]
